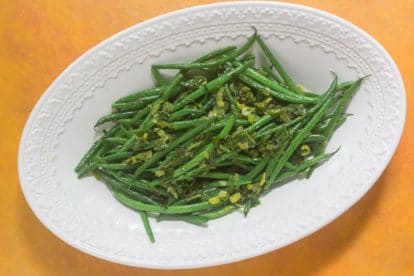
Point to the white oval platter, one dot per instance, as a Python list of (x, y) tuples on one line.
[(310, 42)]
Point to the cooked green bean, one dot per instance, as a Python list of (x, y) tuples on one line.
[(115, 140), (305, 165), (302, 135), (265, 89), (135, 105), (156, 157), (184, 112), (187, 124), (145, 93), (286, 78), (211, 85), (114, 117), (216, 53), (172, 87), (270, 72), (314, 138), (218, 213), (257, 170), (214, 137), (277, 90), (88, 156), (160, 80), (117, 155), (174, 209), (147, 226), (339, 110), (213, 63)]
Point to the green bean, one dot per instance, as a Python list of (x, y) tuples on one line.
[(235, 163), (158, 77), (343, 103), (275, 157), (114, 166), (113, 117), (84, 170), (133, 106), (89, 155), (211, 85), (125, 132), (187, 123), (214, 137), (303, 134), (147, 226), (277, 128), (216, 53), (141, 114), (174, 209), (221, 123), (102, 151), (147, 123), (257, 169), (144, 93), (207, 106), (314, 138), (207, 150), (115, 140), (288, 97), (216, 175), (227, 127), (124, 122), (85, 165), (129, 143), (117, 155), (320, 128), (117, 185), (259, 123), (345, 85), (272, 74), (188, 200), (339, 110), (266, 127), (272, 85), (290, 166), (276, 64), (340, 87), (225, 157), (233, 102), (245, 158), (305, 165), (213, 63), (184, 112), (219, 213), (229, 183), (172, 87), (190, 174), (194, 162), (179, 140)]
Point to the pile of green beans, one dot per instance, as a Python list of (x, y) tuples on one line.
[(215, 137)]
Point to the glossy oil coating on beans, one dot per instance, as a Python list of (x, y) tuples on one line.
[(215, 136)]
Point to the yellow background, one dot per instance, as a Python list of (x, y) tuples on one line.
[(38, 39)]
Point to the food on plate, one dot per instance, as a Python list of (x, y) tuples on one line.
[(215, 137)]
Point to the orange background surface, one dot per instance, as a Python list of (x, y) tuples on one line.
[(38, 39)]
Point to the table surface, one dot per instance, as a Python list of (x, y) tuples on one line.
[(40, 38)]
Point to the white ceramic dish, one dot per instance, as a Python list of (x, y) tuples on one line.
[(310, 42)]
